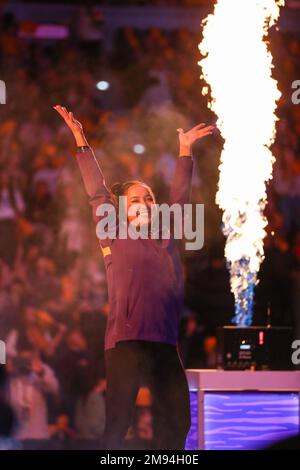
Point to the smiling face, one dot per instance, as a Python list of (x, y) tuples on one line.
[(139, 203)]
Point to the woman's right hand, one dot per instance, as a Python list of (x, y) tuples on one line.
[(74, 125)]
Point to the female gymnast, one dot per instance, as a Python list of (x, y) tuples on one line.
[(145, 291)]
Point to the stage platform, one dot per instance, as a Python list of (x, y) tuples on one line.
[(242, 409)]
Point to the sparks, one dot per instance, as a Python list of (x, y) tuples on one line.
[(238, 67)]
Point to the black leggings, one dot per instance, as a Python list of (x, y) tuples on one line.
[(157, 365)]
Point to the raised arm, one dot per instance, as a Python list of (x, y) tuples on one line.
[(89, 167), (181, 184)]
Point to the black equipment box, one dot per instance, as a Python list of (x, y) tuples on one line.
[(254, 347)]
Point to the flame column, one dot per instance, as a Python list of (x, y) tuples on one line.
[(237, 66)]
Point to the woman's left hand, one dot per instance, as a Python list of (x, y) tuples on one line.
[(186, 139)]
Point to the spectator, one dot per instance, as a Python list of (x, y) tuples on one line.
[(77, 371), (30, 382), (11, 207), (90, 411)]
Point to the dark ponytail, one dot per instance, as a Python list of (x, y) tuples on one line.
[(117, 189)]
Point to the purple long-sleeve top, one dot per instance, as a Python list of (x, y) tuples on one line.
[(144, 276)]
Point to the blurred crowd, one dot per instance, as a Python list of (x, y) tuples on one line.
[(53, 298), (174, 3)]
